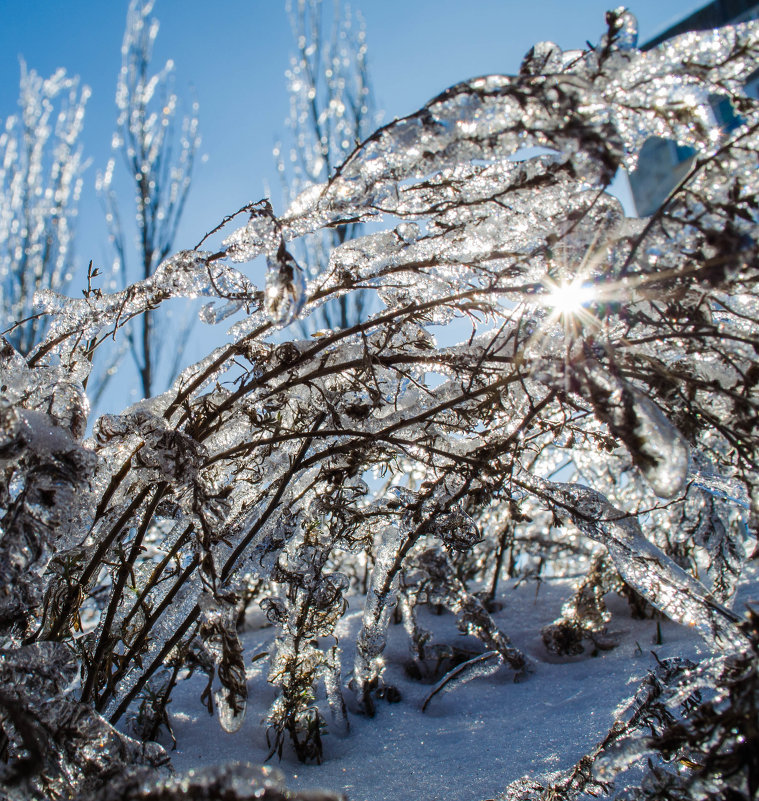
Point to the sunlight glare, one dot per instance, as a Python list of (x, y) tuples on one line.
[(570, 298)]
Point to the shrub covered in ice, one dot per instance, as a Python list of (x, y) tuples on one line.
[(526, 331)]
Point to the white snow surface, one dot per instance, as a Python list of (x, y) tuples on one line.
[(471, 742)]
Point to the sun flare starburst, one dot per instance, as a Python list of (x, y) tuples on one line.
[(570, 298)]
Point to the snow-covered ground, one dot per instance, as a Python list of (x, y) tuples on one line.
[(471, 742)]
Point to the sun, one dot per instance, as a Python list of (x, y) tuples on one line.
[(571, 302), (571, 298), (575, 298)]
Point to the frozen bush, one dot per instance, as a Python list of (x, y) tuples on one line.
[(399, 457)]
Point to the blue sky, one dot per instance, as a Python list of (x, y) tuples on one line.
[(233, 55)]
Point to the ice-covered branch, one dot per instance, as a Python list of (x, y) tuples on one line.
[(525, 331)]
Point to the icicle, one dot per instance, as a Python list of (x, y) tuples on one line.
[(333, 687), (380, 601), (662, 453), (213, 313)]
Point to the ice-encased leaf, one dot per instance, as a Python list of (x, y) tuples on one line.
[(285, 291), (222, 642), (585, 614)]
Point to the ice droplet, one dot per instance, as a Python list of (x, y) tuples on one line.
[(624, 29), (408, 232), (222, 643)]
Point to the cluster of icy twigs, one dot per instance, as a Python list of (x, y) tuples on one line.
[(399, 461)]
